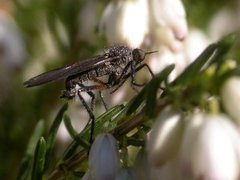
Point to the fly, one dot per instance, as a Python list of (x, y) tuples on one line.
[(118, 63)]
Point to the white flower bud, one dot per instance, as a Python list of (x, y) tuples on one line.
[(195, 44), (230, 94), (126, 22), (104, 160), (210, 148), (126, 173), (165, 137), (223, 22), (168, 23)]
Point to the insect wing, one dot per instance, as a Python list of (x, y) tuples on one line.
[(70, 70)]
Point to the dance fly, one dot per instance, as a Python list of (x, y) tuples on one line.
[(118, 63)]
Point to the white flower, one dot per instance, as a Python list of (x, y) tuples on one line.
[(169, 171), (126, 173), (168, 24), (230, 94), (104, 160), (225, 21), (194, 44), (210, 148), (165, 57), (126, 22), (165, 137)]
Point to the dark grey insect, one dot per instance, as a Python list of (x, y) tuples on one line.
[(118, 63)]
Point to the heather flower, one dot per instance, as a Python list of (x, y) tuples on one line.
[(104, 160)]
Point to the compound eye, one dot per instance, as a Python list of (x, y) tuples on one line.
[(138, 54)]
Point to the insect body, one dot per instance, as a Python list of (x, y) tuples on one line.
[(118, 63)]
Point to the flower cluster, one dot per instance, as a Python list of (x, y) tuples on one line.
[(196, 145), (155, 22), (159, 25), (199, 145)]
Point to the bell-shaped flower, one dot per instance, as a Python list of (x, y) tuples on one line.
[(126, 173), (165, 57), (104, 161), (168, 24), (125, 22), (170, 170), (210, 148), (230, 94), (224, 21), (165, 137)]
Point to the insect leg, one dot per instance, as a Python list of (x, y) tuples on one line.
[(91, 115), (124, 72), (133, 72), (92, 95), (126, 76), (120, 84), (119, 80), (147, 66), (100, 92), (104, 103)]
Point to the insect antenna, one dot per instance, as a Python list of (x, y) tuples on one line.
[(150, 52)]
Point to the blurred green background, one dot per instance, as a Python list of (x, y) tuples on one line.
[(44, 35)]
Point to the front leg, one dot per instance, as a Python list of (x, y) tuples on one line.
[(127, 75), (133, 72), (102, 86)]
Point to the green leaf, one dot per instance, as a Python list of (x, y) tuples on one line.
[(225, 45), (119, 117), (83, 137), (26, 164), (52, 134), (70, 150), (69, 127), (73, 133), (136, 102), (194, 68), (153, 85), (100, 121), (39, 160)]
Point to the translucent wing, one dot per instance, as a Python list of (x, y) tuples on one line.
[(70, 70)]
